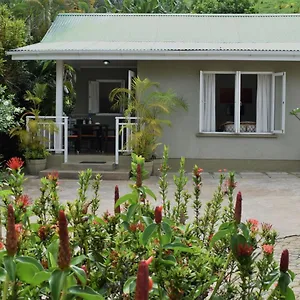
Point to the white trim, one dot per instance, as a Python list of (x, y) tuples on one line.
[(157, 55), (219, 72), (201, 101), (59, 103), (122, 81), (237, 102)]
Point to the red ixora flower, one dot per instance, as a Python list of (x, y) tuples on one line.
[(266, 227), (284, 261), (23, 201), (15, 163), (158, 214), (244, 250), (19, 229), (198, 172), (268, 249), (253, 224), (53, 175), (1, 246)]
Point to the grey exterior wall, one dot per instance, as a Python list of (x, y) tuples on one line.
[(85, 75), (183, 78)]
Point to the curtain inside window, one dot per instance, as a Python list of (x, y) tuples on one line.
[(263, 103), (93, 97), (209, 105)]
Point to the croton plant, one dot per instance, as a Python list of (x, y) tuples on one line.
[(145, 249)]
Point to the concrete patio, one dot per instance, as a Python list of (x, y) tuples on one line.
[(268, 197)]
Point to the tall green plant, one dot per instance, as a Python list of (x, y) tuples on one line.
[(152, 107), (31, 141)]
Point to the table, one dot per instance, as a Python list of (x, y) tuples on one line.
[(91, 132)]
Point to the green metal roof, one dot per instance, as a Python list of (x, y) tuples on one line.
[(84, 33)]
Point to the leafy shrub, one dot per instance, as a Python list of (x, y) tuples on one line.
[(69, 252), (9, 113)]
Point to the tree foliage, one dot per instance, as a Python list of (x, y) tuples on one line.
[(223, 6)]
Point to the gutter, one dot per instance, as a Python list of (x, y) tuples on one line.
[(157, 55)]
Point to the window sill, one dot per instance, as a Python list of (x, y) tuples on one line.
[(236, 135)]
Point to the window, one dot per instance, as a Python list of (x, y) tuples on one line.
[(242, 102), (99, 91)]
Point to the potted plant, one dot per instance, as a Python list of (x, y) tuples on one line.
[(31, 141), (151, 106)]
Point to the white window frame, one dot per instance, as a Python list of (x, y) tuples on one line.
[(121, 81), (237, 102)]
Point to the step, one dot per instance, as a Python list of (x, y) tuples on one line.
[(120, 174), (95, 166)]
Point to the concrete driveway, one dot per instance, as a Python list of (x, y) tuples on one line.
[(268, 197)]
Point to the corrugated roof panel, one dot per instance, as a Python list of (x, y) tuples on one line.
[(181, 28), (156, 46), (149, 32)]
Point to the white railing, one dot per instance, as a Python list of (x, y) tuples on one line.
[(54, 133), (124, 128)]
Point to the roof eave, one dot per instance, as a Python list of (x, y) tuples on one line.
[(157, 55)]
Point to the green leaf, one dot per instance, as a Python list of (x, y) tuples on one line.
[(40, 277), (289, 295), (149, 192), (99, 220), (148, 233), (168, 262), (292, 274), (218, 236), (245, 230), (80, 274), (130, 212), (283, 282), (85, 293), (147, 220), (26, 271), (129, 285), (30, 260), (125, 198), (274, 276), (2, 274), (10, 267), (52, 252), (78, 260), (125, 225), (57, 281), (166, 228), (179, 247)]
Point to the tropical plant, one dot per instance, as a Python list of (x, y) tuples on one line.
[(8, 111), (31, 140), (69, 252), (150, 106)]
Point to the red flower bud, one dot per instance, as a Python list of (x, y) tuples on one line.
[(139, 180), (149, 260), (64, 254), (150, 283), (117, 196), (158, 214), (284, 261), (238, 208), (142, 282), (11, 234)]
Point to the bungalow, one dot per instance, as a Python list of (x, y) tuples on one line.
[(239, 74)]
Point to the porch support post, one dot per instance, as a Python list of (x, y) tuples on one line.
[(59, 104)]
